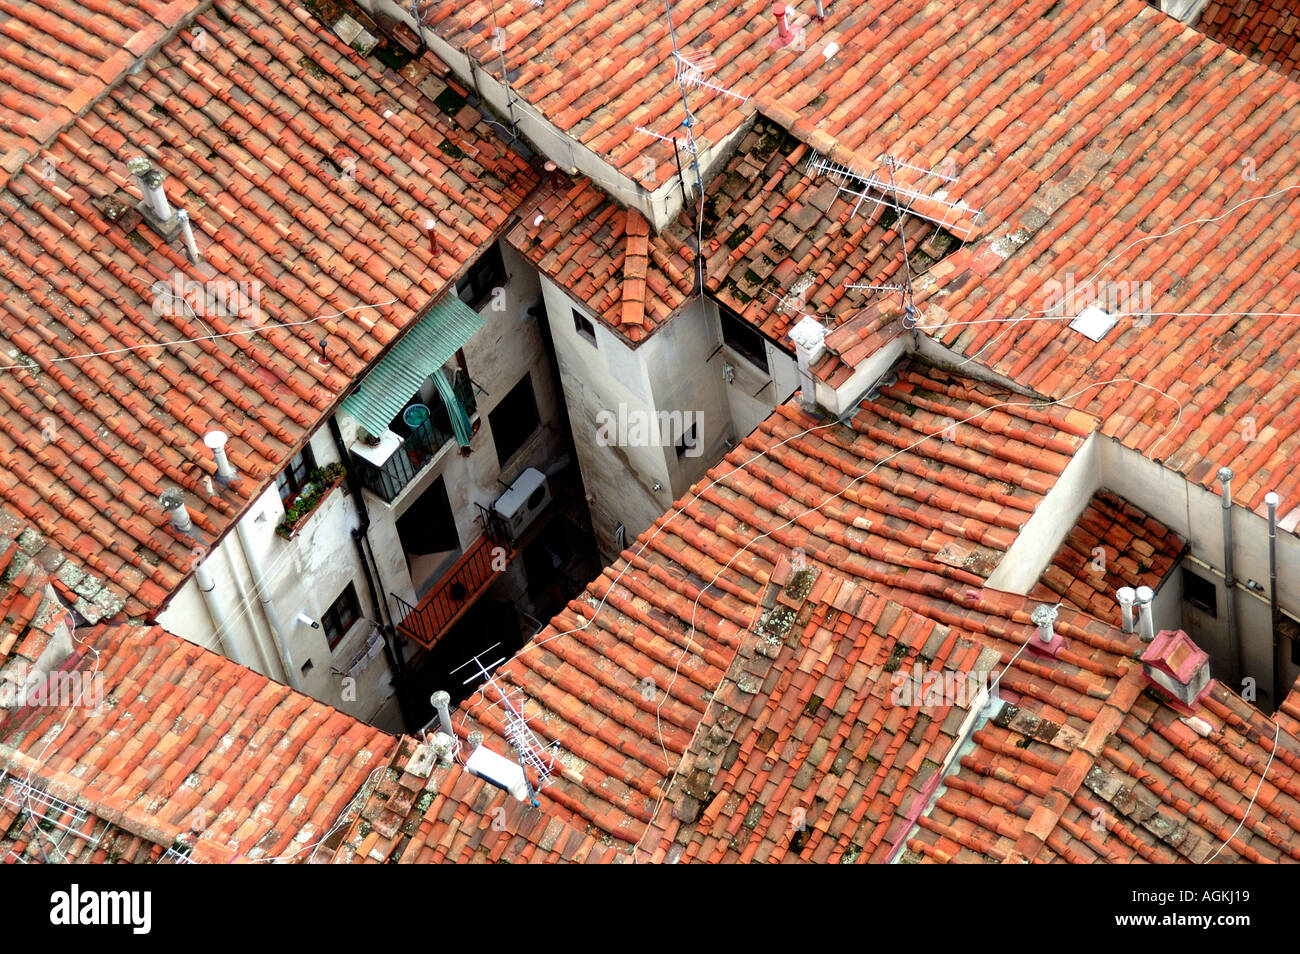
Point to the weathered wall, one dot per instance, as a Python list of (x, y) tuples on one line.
[(308, 572)]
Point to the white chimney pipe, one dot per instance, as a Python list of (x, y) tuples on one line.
[(216, 442), (1044, 617), (217, 611), (173, 501), (1146, 622), (150, 181), (187, 233), (442, 703), (1127, 597), (809, 337), (444, 746)]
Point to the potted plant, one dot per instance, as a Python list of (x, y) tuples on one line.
[(320, 482)]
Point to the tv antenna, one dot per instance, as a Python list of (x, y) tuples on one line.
[(955, 216), (528, 748), (691, 72)]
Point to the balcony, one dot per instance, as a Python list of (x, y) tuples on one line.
[(459, 589), (414, 447)]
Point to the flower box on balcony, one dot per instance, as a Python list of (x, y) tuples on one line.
[(321, 481)]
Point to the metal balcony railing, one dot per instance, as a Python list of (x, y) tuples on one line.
[(454, 593), (419, 447)]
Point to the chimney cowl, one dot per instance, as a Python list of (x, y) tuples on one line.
[(1176, 664), (1126, 596), (1044, 617), (216, 441), (173, 501)]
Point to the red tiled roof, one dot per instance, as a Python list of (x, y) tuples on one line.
[(1072, 153), (1137, 550), (628, 680), (305, 169), (1264, 30), (809, 753), (37, 588), (927, 524), (423, 812), (55, 62), (191, 748), (778, 244)]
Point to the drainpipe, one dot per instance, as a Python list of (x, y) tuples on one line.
[(263, 590), (1126, 598), (374, 581), (1271, 500), (230, 646), (1230, 582), (270, 665)]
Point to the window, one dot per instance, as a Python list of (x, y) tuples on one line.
[(1201, 593), (584, 326), (294, 477), (687, 441), (487, 273), (514, 420), (341, 616), (742, 338)]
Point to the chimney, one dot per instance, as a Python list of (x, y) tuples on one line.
[(154, 205), (1178, 666), (1146, 622), (444, 746), (442, 703), (1127, 597), (173, 501), (1044, 617), (216, 442), (809, 337), (187, 235), (432, 234), (782, 22)]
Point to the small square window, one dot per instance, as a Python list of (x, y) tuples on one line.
[(687, 441), (341, 616), (476, 285), (293, 478), (583, 325), (1201, 593), (742, 338)]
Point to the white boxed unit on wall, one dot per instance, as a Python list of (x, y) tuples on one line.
[(523, 502)]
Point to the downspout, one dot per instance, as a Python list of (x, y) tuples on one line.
[(1275, 612), (1230, 582), (230, 646), (262, 589), (374, 582), (270, 665)]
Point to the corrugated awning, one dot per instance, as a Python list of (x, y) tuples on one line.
[(425, 348)]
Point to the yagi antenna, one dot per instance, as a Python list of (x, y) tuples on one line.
[(690, 74), (684, 144), (527, 746), (870, 187)]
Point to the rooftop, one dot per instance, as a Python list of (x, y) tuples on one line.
[(1264, 30), (308, 172)]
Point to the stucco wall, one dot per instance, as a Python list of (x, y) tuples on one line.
[(308, 572)]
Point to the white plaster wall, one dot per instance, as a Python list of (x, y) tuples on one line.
[(308, 572), (1045, 530), (1196, 514)]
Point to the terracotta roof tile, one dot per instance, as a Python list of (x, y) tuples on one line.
[(244, 769), (1264, 30)]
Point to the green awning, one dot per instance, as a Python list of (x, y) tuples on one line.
[(435, 338)]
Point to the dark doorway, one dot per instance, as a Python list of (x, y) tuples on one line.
[(428, 534)]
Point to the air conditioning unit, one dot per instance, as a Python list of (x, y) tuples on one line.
[(519, 506)]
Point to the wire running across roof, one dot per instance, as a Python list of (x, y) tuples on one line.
[(437, 336)]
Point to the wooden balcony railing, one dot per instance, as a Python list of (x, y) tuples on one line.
[(458, 590)]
